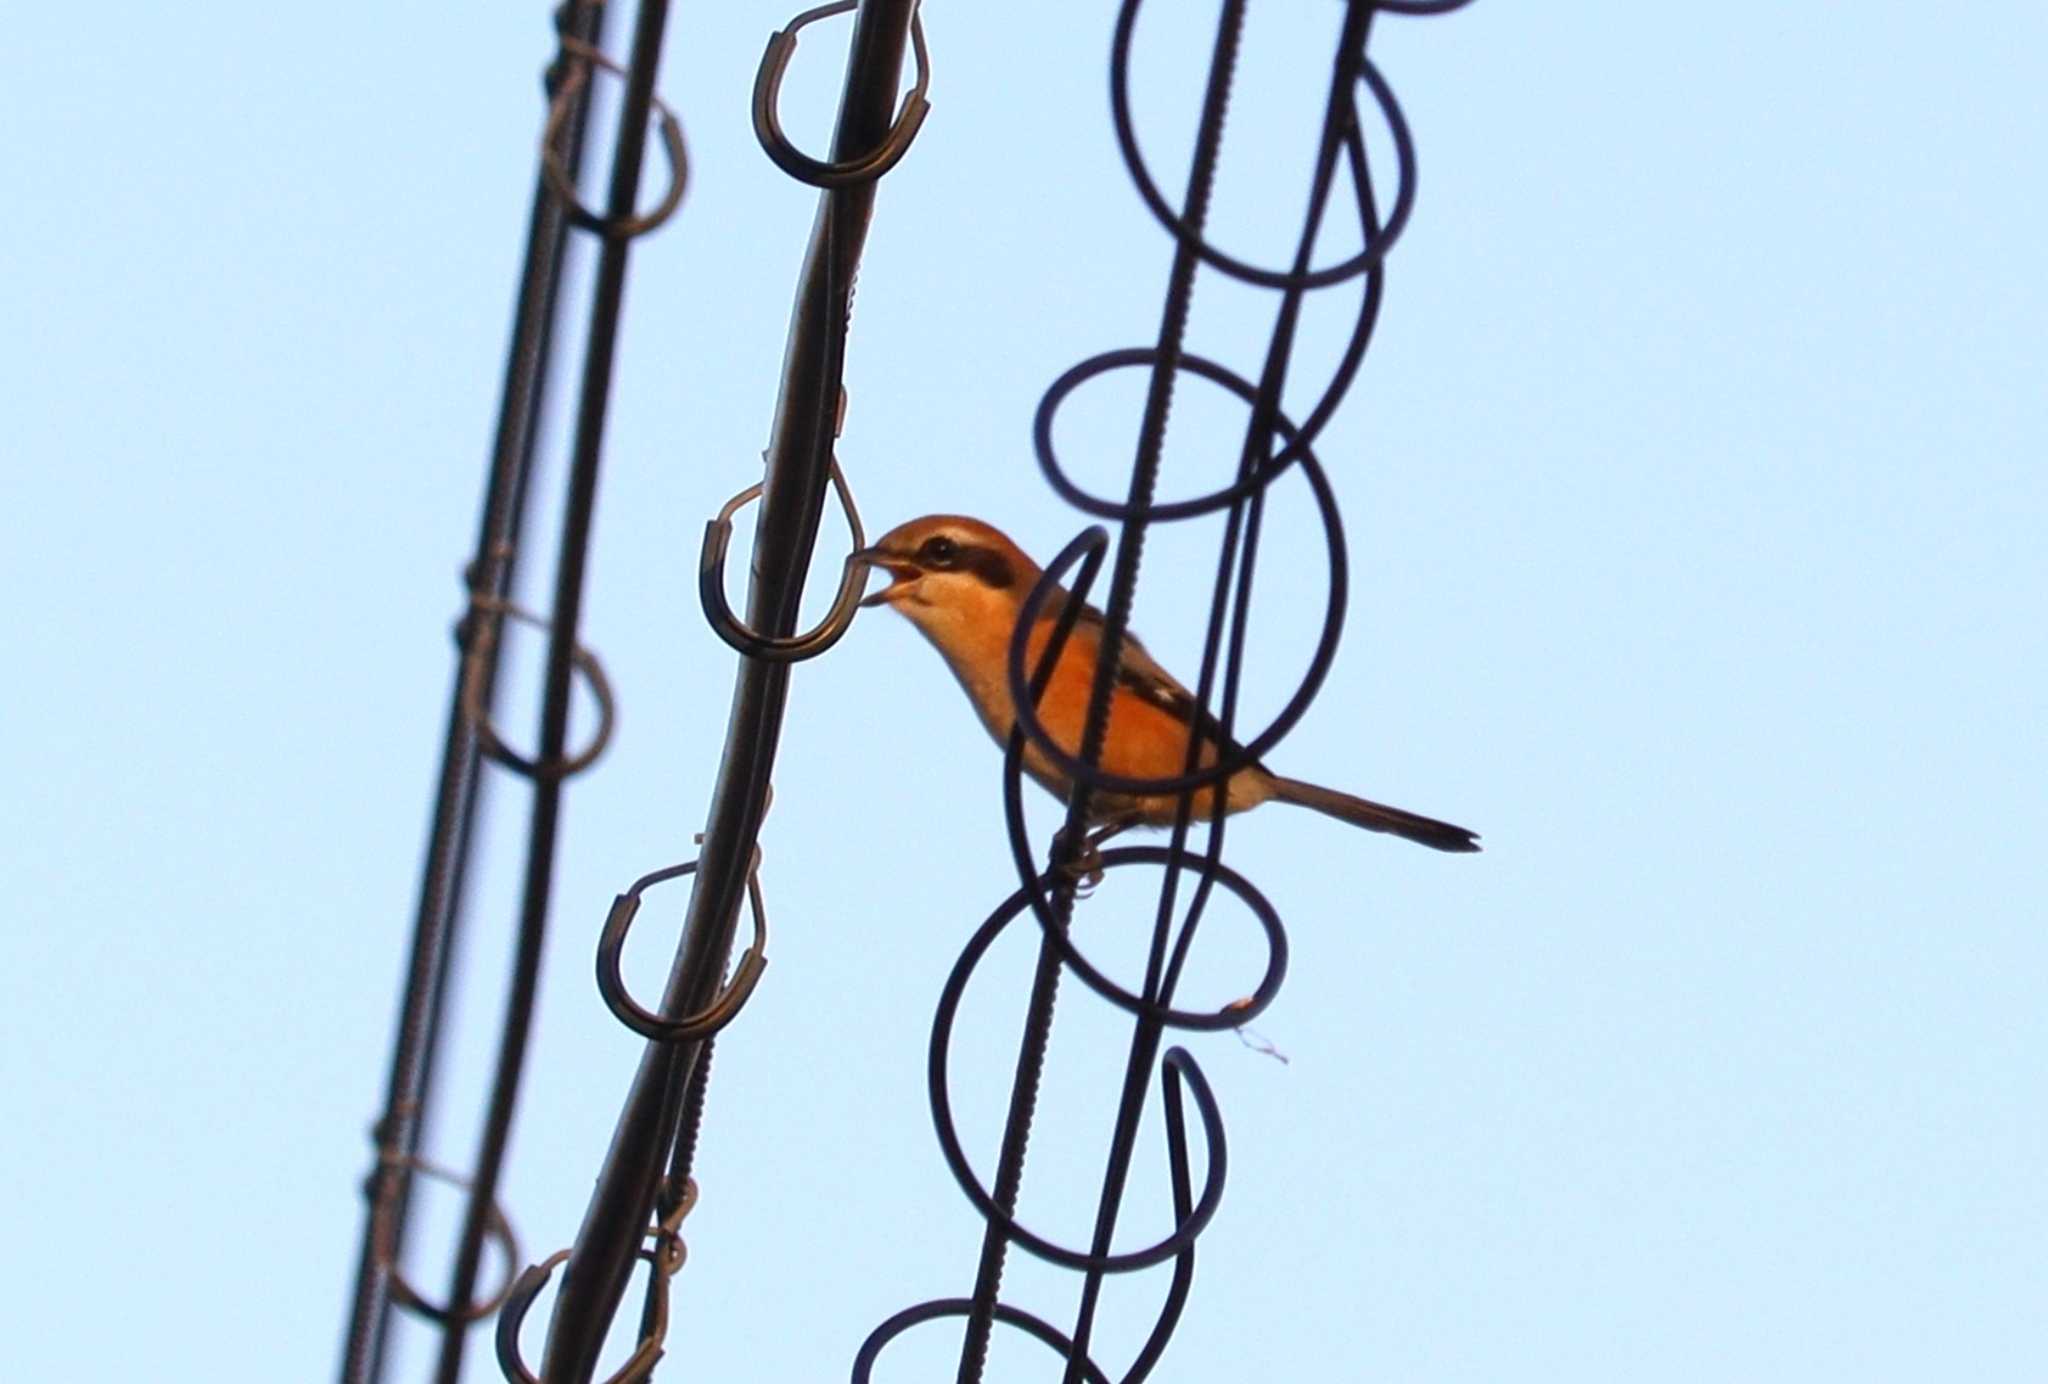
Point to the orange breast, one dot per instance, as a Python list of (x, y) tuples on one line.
[(1143, 741)]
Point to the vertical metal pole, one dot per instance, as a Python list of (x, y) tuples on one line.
[(398, 1128), (564, 617), (798, 468)]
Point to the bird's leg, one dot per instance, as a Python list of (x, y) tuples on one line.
[(1084, 866)]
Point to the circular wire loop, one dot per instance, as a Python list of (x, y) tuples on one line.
[(639, 1365), (1234, 1015), (1178, 1065), (496, 1228), (878, 1339), (845, 172), (482, 638), (774, 648), (1378, 240), (1295, 438), (1319, 415), (714, 1016), (1229, 758), (557, 173)]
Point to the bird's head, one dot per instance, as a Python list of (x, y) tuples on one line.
[(951, 574)]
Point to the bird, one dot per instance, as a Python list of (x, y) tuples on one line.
[(962, 583)]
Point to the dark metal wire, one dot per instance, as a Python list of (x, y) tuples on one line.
[(1273, 445), (848, 170), (471, 734), (715, 1016), (617, 226), (659, 1120), (489, 576), (483, 650), (499, 1232), (664, 1261), (586, 451), (730, 628)]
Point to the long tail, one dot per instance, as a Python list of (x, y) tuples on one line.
[(1425, 831)]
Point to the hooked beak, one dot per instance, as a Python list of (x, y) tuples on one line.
[(903, 571)]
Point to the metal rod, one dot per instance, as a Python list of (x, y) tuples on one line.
[(798, 469), (592, 403), (1162, 973), (450, 836), (1273, 445)]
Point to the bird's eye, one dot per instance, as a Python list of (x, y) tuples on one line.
[(939, 551)]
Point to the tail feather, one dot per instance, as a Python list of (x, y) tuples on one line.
[(1425, 831)]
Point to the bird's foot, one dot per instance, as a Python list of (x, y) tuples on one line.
[(1082, 867)]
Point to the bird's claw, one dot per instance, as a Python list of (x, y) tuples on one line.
[(1083, 867)]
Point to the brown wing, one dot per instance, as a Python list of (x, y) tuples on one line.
[(1141, 674)]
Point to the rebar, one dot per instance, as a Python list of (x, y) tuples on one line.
[(449, 839), (651, 1128), (1274, 446), (471, 735)]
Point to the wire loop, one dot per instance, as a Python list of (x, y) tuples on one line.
[(1379, 239), (639, 1365), (773, 648), (664, 1258), (1178, 1065), (847, 172), (1297, 441), (1156, 511), (478, 638), (496, 1228), (878, 1339), (723, 1009), (1272, 444), (556, 171), (1231, 1016)]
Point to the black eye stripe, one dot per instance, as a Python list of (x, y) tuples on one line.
[(944, 553), (989, 565)]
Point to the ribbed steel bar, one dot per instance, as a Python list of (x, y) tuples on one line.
[(1242, 524), (449, 837), (593, 400), (1116, 617), (798, 471), (1274, 446)]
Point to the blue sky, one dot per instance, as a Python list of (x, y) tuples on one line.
[(1695, 500)]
